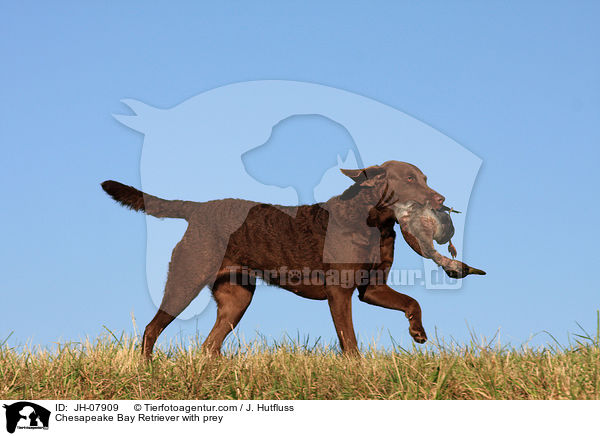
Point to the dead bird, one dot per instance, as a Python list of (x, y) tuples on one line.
[(421, 225)]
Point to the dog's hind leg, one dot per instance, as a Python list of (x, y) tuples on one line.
[(161, 320), (233, 298), (189, 272)]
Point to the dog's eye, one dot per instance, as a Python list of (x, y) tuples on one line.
[(410, 179)]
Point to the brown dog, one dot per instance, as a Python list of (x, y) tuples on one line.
[(322, 251)]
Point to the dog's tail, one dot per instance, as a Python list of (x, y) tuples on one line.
[(137, 200)]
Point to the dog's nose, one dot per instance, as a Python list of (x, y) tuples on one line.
[(439, 199)]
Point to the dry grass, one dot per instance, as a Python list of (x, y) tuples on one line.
[(110, 368)]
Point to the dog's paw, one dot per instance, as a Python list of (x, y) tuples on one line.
[(418, 334)]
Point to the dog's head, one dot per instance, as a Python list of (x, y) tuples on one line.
[(401, 185)]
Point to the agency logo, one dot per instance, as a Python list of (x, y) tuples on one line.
[(25, 415), (284, 143)]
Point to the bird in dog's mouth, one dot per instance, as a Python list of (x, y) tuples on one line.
[(421, 225)]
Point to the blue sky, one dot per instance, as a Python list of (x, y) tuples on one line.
[(519, 88)]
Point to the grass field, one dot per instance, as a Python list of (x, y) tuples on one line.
[(110, 368)]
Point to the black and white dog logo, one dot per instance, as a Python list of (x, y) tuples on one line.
[(26, 415)]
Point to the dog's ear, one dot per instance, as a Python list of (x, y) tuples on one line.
[(365, 176)]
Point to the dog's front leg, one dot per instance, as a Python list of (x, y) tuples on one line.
[(384, 296), (340, 305)]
